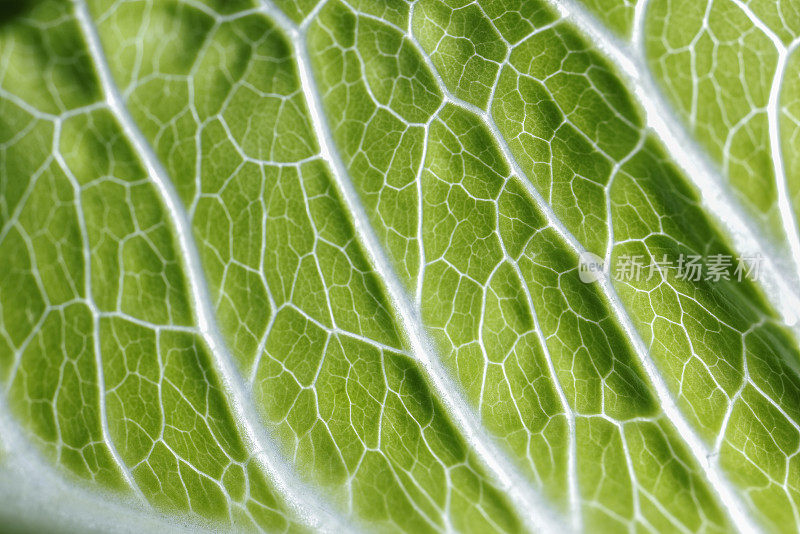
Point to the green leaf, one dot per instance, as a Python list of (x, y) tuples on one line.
[(304, 266)]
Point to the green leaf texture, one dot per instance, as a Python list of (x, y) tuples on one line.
[(316, 266)]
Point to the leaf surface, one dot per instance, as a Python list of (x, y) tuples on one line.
[(319, 266)]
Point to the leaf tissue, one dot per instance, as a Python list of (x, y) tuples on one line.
[(400, 266)]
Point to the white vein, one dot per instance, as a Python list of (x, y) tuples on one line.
[(781, 287), (538, 515), (87, 280), (773, 120), (301, 499), (773, 117), (716, 478), (573, 490), (572, 455)]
